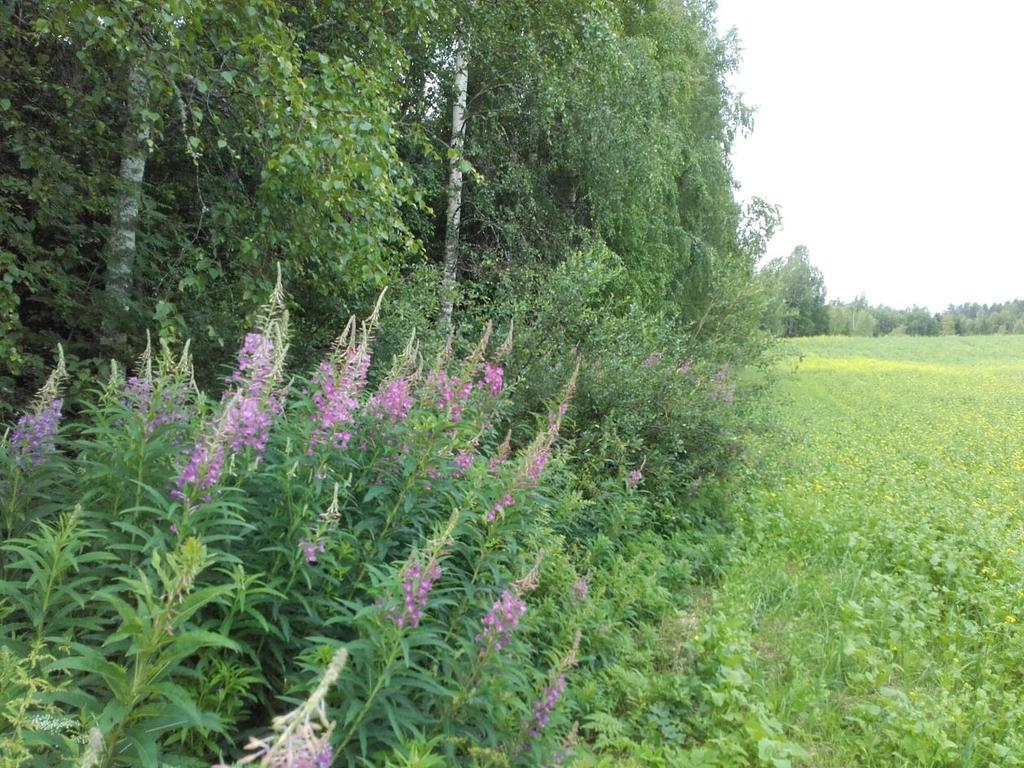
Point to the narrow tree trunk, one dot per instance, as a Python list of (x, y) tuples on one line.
[(454, 217), (124, 215)]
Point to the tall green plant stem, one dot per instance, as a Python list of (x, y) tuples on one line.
[(382, 679), (142, 676), (9, 507)]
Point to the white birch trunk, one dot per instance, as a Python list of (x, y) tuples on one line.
[(124, 214), (454, 217)]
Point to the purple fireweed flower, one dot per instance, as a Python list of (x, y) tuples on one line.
[(255, 361), (35, 434), (500, 621), (336, 399), (171, 408), (250, 410), (451, 392), (538, 453), (202, 470), (417, 581), (325, 523), (580, 590), (311, 548), (138, 393), (535, 468), (545, 705), (634, 478), (463, 461), (393, 401), (248, 413), (685, 367), (653, 359), (499, 506), (164, 399), (493, 380)]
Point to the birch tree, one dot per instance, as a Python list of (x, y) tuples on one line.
[(455, 170), (124, 215)]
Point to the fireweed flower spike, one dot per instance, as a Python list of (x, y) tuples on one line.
[(636, 475), (499, 622), (326, 522), (419, 574), (550, 696), (394, 400), (35, 434), (506, 612), (503, 351), (339, 380), (472, 364), (301, 738), (418, 579), (463, 461), (493, 380), (538, 453), (166, 396), (500, 506), (580, 590), (248, 409), (545, 705), (504, 451)]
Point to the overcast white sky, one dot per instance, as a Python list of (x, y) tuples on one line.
[(891, 133)]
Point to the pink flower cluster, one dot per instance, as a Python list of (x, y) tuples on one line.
[(634, 478), (35, 434), (535, 468), (463, 461), (580, 590), (545, 705), (311, 548), (248, 413), (493, 380), (168, 406), (417, 582), (201, 472), (394, 401), (254, 404), (538, 453), (499, 506), (336, 401), (500, 621), (452, 393)]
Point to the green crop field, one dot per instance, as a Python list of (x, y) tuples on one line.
[(880, 593)]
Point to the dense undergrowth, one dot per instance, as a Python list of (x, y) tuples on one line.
[(177, 572)]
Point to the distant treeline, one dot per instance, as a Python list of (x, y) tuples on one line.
[(858, 318), (795, 306)]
